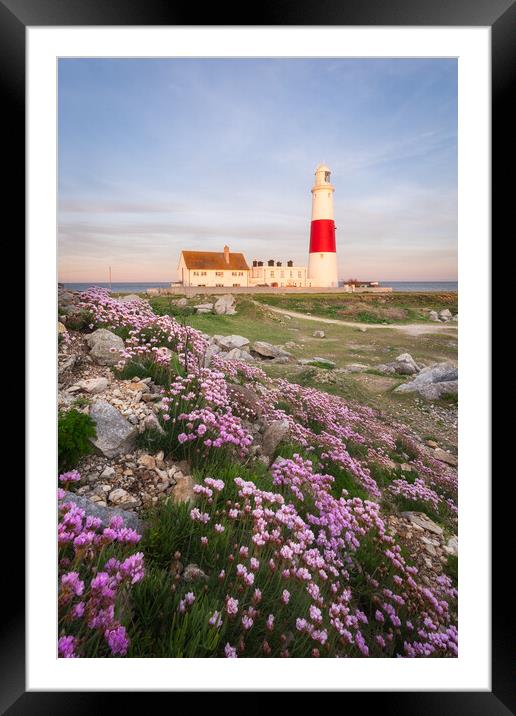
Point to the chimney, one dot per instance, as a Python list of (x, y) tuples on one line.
[(226, 254)]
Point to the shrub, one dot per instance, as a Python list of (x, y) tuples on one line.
[(75, 431)]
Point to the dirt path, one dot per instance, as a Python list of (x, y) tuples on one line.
[(412, 329)]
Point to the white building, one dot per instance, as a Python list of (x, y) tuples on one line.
[(277, 273), (213, 268)]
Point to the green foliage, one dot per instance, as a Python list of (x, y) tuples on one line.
[(452, 568), (148, 368), (79, 320), (81, 402), (75, 430)]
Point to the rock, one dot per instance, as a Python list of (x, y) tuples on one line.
[(433, 382), (433, 316), (105, 346), (212, 350), (115, 435), (61, 328), (94, 509), (183, 490), (93, 385), (406, 467), (129, 297), (193, 573), (267, 350), (431, 443), (225, 304), (182, 302), (453, 545), (66, 363), (122, 498), (446, 457), (405, 359), (227, 343), (148, 461), (273, 435), (238, 354), (455, 318), (245, 397), (445, 314), (386, 368), (319, 334), (152, 423), (108, 471), (423, 521)]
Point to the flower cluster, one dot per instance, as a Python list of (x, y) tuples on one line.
[(93, 592)]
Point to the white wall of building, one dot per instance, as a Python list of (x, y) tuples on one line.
[(282, 275), (211, 277)]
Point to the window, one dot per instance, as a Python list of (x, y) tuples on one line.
[(291, 274), (240, 273), (219, 285), (327, 177), (235, 285), (234, 273), (196, 273), (299, 274), (203, 273), (271, 273), (219, 273)]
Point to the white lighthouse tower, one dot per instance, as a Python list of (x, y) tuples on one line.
[(322, 261)]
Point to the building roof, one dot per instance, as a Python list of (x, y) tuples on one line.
[(216, 260)]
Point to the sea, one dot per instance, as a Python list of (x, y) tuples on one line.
[(412, 286)]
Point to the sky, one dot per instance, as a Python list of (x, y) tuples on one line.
[(159, 155)]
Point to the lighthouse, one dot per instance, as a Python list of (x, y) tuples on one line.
[(322, 261)]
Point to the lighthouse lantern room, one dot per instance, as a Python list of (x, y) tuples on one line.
[(322, 262)]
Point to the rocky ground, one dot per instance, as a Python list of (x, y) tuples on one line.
[(123, 477)]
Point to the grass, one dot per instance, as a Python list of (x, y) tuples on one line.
[(342, 344), (366, 308)]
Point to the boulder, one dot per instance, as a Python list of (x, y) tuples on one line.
[(445, 314), (203, 310), (204, 307), (273, 435), (212, 350), (433, 316), (246, 398), (183, 490), (105, 346), (182, 302), (128, 298), (267, 350), (443, 456), (239, 354), (422, 520), (319, 334), (93, 385), (115, 434), (122, 498), (227, 343), (225, 305), (433, 382), (61, 328), (405, 362), (453, 545), (104, 514), (152, 423)]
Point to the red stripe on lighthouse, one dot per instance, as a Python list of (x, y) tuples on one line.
[(322, 236)]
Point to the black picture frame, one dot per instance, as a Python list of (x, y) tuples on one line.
[(500, 15)]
